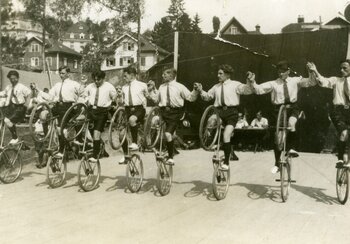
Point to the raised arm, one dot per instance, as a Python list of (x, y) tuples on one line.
[(206, 96), (188, 95)]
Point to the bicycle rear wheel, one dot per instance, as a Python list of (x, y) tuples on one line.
[(10, 165), (164, 178), (209, 128), (88, 174), (221, 182), (285, 180), (56, 169), (74, 121), (134, 173), (40, 122), (118, 128), (342, 185), (281, 129), (152, 128)]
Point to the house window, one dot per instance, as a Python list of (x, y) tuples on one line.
[(34, 61), (75, 64), (127, 46), (65, 61), (34, 47), (81, 35), (110, 62), (71, 35), (80, 27), (71, 45), (124, 61), (21, 60), (143, 61), (233, 30), (49, 60)]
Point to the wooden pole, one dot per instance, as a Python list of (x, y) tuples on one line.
[(138, 54), (0, 50), (176, 49), (43, 25), (49, 73)]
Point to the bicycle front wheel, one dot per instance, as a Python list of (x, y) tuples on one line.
[(40, 122), (164, 178), (221, 182), (134, 173), (209, 128), (285, 180), (10, 165), (152, 128), (281, 129), (74, 121), (118, 128), (56, 169), (342, 185), (88, 174)]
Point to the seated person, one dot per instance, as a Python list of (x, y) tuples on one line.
[(259, 121), (242, 122)]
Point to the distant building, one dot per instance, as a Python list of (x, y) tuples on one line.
[(123, 51), (234, 27), (55, 53), (335, 23), (21, 28), (301, 26), (77, 36)]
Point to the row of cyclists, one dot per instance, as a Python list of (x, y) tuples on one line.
[(170, 97)]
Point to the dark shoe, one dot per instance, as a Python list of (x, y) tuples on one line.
[(234, 157), (105, 154), (25, 147), (176, 152)]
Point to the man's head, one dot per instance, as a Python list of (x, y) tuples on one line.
[(345, 68), (46, 90), (240, 116), (283, 69), (129, 74), (98, 77), (224, 73), (64, 72), (259, 115), (169, 74), (83, 79), (13, 77)]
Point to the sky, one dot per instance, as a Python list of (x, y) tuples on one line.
[(271, 15)]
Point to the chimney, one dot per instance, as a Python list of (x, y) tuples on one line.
[(257, 28), (300, 19)]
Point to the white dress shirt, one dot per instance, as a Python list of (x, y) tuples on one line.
[(277, 91), (20, 94), (138, 93), (232, 91), (178, 94), (107, 93), (337, 84), (241, 123), (262, 123), (71, 91)]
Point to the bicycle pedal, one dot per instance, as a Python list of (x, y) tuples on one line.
[(278, 180), (293, 181)]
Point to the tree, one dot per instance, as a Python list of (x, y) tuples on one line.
[(161, 34), (176, 10), (6, 10), (12, 50), (195, 24), (93, 57), (216, 24)]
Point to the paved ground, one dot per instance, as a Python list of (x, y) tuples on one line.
[(252, 212)]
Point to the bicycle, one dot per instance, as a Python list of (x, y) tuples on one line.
[(74, 122), (10, 157), (285, 164), (56, 167), (342, 178), (221, 178), (155, 122), (118, 132)]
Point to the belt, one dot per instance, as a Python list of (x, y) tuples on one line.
[(342, 106), (133, 108), (226, 107), (17, 104), (101, 108), (167, 108), (65, 103)]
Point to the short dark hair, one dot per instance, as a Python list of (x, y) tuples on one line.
[(282, 65), (46, 89), (345, 61), (172, 71), (98, 74), (64, 67), (12, 72), (226, 68), (130, 70)]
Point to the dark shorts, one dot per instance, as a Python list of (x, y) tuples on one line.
[(98, 117), (138, 111), (341, 118), (15, 113), (228, 115), (59, 109), (293, 111), (171, 117)]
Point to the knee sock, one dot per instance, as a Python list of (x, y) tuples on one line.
[(96, 148), (45, 128), (292, 140), (125, 146), (13, 132), (341, 149), (61, 142), (277, 155), (170, 146), (134, 131), (227, 152)]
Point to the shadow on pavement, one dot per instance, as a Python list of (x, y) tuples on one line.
[(317, 194), (262, 191)]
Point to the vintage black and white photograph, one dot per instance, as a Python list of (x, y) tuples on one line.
[(174, 121)]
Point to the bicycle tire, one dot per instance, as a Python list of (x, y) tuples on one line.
[(342, 184), (164, 178), (56, 170), (285, 181), (118, 124), (220, 182), (88, 174), (134, 173), (74, 121), (152, 128), (10, 165), (38, 137), (206, 132), (281, 128)]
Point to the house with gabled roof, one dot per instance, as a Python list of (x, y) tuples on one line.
[(56, 54), (234, 27), (122, 52), (77, 36)]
